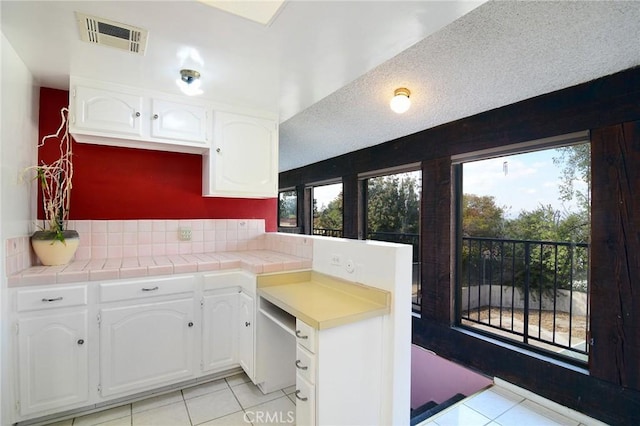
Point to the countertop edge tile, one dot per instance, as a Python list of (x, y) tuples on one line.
[(103, 269)]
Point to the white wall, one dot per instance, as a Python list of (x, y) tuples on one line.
[(386, 266), (18, 149)]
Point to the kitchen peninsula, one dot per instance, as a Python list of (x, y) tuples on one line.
[(94, 324)]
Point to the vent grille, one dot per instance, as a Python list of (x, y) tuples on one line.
[(108, 33)]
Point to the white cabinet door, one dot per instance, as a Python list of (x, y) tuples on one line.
[(143, 346), (178, 121), (219, 333), (107, 111), (244, 159), (53, 361), (246, 333)]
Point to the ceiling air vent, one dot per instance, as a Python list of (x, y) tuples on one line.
[(109, 33)]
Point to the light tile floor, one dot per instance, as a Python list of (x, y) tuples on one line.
[(497, 406), (233, 401)]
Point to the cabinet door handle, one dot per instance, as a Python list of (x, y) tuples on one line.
[(55, 299), (80, 341), (247, 324), (190, 324), (300, 336), (155, 116), (301, 398), (150, 289), (218, 150), (301, 367), (137, 113)]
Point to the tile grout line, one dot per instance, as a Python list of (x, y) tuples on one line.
[(244, 416), (186, 406)]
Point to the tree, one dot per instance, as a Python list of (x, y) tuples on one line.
[(576, 163), (288, 207), (481, 217), (393, 205), (540, 224), (331, 216)]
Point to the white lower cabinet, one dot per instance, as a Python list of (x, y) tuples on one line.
[(52, 361), (219, 336), (305, 402), (246, 320), (80, 345), (147, 345), (329, 363)]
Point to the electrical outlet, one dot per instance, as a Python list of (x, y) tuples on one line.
[(349, 266), (184, 234), (336, 260)]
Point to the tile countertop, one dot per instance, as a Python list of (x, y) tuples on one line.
[(255, 261), (323, 301)]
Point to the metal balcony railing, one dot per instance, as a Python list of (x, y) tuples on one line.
[(533, 292), (328, 232)]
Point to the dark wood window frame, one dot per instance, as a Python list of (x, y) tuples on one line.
[(457, 185)]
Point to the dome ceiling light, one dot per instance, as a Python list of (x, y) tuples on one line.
[(189, 82), (400, 102)]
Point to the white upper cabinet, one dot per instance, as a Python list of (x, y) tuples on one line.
[(108, 111), (239, 146), (243, 161), (111, 114), (178, 121)]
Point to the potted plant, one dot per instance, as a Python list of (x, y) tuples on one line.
[(53, 243)]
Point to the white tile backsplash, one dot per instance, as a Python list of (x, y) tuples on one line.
[(123, 238), (103, 239)]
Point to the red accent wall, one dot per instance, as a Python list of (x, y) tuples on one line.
[(123, 183)]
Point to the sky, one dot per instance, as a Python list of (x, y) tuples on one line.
[(525, 182)]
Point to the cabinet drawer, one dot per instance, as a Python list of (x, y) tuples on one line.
[(306, 335), (49, 298), (136, 289), (305, 402), (229, 279), (305, 364)]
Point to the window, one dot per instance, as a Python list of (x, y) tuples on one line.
[(523, 253), (393, 214), (327, 210), (288, 209)]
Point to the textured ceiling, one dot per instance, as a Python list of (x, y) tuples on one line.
[(498, 54)]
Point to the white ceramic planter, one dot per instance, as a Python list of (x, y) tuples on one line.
[(54, 252)]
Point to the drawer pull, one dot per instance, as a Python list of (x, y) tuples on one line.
[(56, 299), (150, 289), (301, 398), (247, 324), (81, 341), (190, 324), (300, 336), (301, 367)]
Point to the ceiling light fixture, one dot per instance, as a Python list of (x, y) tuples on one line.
[(400, 102), (189, 82)]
